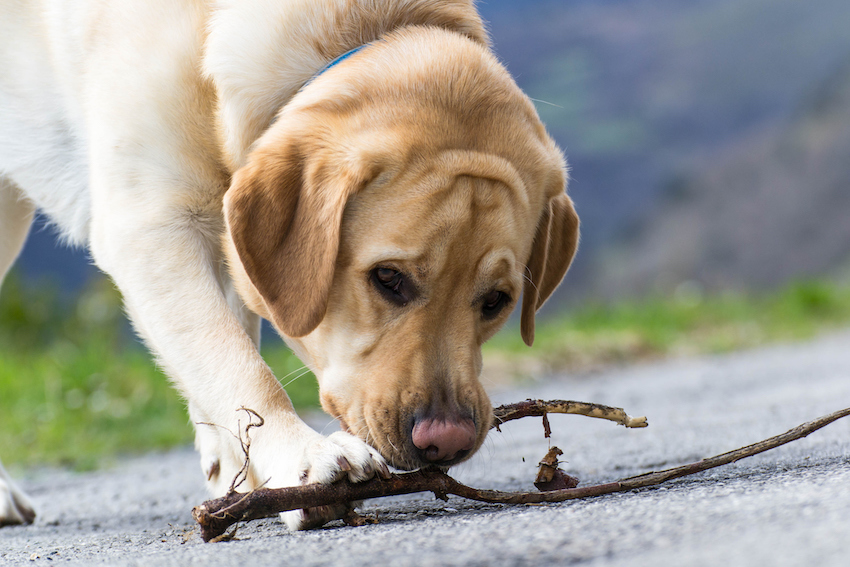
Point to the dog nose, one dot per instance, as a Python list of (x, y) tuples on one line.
[(441, 440)]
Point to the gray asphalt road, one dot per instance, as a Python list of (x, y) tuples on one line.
[(790, 506)]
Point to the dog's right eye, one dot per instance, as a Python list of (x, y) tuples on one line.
[(494, 303), (393, 285)]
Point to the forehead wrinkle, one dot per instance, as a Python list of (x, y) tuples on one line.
[(463, 200), (496, 265), (489, 167), (479, 247), (384, 252)]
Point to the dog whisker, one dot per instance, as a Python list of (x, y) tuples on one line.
[(333, 419), (395, 449), (528, 278), (354, 426), (546, 102), (306, 372), (379, 444), (288, 374)]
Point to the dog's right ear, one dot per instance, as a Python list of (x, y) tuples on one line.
[(553, 249), (283, 213)]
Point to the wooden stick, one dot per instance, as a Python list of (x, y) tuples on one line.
[(215, 516), (531, 408)]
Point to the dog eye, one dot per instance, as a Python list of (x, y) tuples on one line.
[(393, 285), (494, 302)]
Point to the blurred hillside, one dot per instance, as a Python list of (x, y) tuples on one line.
[(770, 207), (647, 98), (679, 119)]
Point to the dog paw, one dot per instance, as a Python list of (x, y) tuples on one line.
[(15, 508), (327, 460)]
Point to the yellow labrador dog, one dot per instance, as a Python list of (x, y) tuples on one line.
[(362, 173)]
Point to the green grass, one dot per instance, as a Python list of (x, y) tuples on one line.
[(76, 390), (600, 334)]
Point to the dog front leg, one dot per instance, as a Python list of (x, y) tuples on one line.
[(16, 216), (219, 466), (175, 292)]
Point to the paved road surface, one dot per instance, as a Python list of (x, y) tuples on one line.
[(790, 506)]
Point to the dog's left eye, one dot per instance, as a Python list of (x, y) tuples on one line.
[(393, 285), (494, 302)]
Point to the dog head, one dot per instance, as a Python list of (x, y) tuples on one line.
[(387, 224)]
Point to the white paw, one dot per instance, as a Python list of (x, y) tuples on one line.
[(15, 508), (326, 460)]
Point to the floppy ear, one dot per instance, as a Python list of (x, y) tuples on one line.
[(554, 246), (283, 213)]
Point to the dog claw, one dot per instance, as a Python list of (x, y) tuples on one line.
[(384, 471), (343, 463), (213, 469)]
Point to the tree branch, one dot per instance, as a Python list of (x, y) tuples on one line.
[(539, 408), (215, 516)]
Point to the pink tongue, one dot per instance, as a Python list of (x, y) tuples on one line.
[(442, 440)]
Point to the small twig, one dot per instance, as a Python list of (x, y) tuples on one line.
[(244, 442), (532, 408), (215, 516)]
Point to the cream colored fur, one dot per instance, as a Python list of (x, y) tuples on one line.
[(176, 139)]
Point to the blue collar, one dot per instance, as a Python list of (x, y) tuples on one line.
[(336, 61)]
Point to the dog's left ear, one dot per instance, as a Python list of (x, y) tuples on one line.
[(554, 246), (284, 214)]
